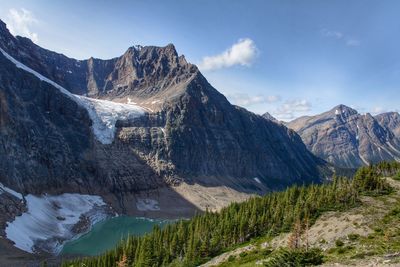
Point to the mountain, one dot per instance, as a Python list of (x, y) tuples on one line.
[(66, 126), (348, 139), (147, 75), (268, 116), (390, 120)]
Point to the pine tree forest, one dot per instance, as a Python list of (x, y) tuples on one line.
[(192, 242)]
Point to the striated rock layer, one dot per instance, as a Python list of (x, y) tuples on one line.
[(348, 139)]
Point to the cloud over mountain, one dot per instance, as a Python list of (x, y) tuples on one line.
[(20, 21), (241, 53)]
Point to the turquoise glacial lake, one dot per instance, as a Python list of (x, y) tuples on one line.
[(107, 234)]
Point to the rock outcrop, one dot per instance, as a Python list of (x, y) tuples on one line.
[(268, 116), (391, 121)]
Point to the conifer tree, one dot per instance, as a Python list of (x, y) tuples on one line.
[(190, 242)]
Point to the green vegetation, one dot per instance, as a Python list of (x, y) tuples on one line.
[(294, 258), (368, 181), (386, 236), (249, 258), (387, 169), (382, 214), (339, 243), (353, 237), (277, 258), (192, 242), (383, 241), (397, 177)]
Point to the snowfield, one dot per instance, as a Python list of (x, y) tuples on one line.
[(10, 191), (49, 220), (104, 114), (147, 204)]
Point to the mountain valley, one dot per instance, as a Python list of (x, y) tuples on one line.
[(143, 134), (114, 153)]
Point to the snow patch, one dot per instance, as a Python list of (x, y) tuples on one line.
[(363, 159), (257, 180), (129, 101), (10, 191), (149, 109), (138, 47), (49, 220), (38, 75), (380, 148), (163, 130), (104, 114), (147, 204), (337, 112), (392, 147)]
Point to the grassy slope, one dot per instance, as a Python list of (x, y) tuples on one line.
[(369, 233)]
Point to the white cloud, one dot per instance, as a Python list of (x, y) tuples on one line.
[(241, 53), (332, 34), (291, 109), (247, 100), (337, 35), (378, 110), (20, 21)]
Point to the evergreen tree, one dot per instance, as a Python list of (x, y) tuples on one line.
[(191, 242)]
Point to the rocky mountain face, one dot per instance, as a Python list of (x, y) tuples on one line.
[(189, 133), (348, 139), (147, 75), (268, 116), (47, 141), (391, 121)]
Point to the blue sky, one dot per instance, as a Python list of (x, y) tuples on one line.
[(289, 58)]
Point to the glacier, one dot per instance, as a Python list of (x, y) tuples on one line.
[(103, 113)]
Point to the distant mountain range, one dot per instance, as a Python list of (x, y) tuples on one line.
[(348, 139), (142, 121)]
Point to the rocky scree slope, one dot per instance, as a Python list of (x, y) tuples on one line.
[(348, 139), (189, 133)]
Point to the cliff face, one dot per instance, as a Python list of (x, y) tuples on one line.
[(44, 135), (206, 136), (391, 121), (346, 138), (47, 140), (189, 133), (147, 75)]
